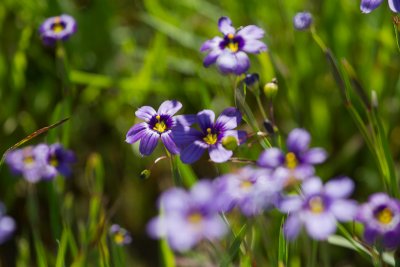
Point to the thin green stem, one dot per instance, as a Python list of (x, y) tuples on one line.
[(260, 106)]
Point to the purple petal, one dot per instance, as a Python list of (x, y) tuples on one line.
[(169, 143), (370, 235), (136, 132), (339, 188), (369, 5), (214, 227), (202, 193), (290, 204), (225, 26), (241, 136), (174, 200), (394, 5), (227, 62), (298, 140), (229, 119), (320, 226), (169, 107), (193, 152), (185, 120), (391, 239), (251, 32), (219, 154), (344, 210), (211, 44), (271, 158), (156, 228), (148, 142), (312, 186), (242, 63), (292, 227), (254, 46), (145, 113), (314, 156), (211, 58), (182, 235), (183, 136), (206, 119)]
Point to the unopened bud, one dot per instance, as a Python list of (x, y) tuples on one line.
[(252, 82), (145, 174), (230, 142), (271, 89), (269, 127), (302, 21)]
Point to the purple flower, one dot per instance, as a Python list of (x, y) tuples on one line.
[(251, 189), (302, 21), (319, 208), (368, 5), (297, 163), (156, 125), (229, 52), (120, 235), (195, 142), (40, 161), (381, 219), (58, 160), (29, 161), (7, 225), (188, 217), (57, 28)]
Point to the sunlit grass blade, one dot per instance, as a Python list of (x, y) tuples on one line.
[(31, 136), (62, 249), (234, 248), (283, 247)]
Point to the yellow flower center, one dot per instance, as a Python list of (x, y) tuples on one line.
[(385, 216), (195, 218), (232, 45), (291, 160), (119, 238), (57, 27), (53, 161), (160, 125), (28, 160), (246, 184), (316, 205), (210, 137)]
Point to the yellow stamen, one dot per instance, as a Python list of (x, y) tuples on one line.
[(54, 161), (234, 47), (210, 138), (29, 160), (230, 35), (385, 216), (160, 125), (195, 218), (316, 205), (246, 184), (291, 160), (119, 238)]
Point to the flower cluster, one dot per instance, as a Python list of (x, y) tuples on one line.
[(369, 5), (179, 136), (41, 161), (229, 52)]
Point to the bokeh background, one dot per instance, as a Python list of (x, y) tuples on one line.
[(126, 54)]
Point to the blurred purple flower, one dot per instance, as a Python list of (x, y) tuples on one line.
[(57, 28), (120, 235), (381, 219), (369, 5), (302, 21), (187, 217), (156, 125), (249, 188), (319, 208), (58, 160), (210, 137), (297, 163), (29, 161), (7, 225), (229, 52)]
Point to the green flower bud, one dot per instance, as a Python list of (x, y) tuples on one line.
[(230, 142), (271, 89), (145, 174)]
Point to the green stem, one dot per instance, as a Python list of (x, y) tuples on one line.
[(314, 253), (260, 106)]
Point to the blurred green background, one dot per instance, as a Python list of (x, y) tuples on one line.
[(126, 54)]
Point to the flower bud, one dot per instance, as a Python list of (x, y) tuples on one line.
[(230, 142), (302, 21), (252, 82), (271, 89), (145, 174)]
